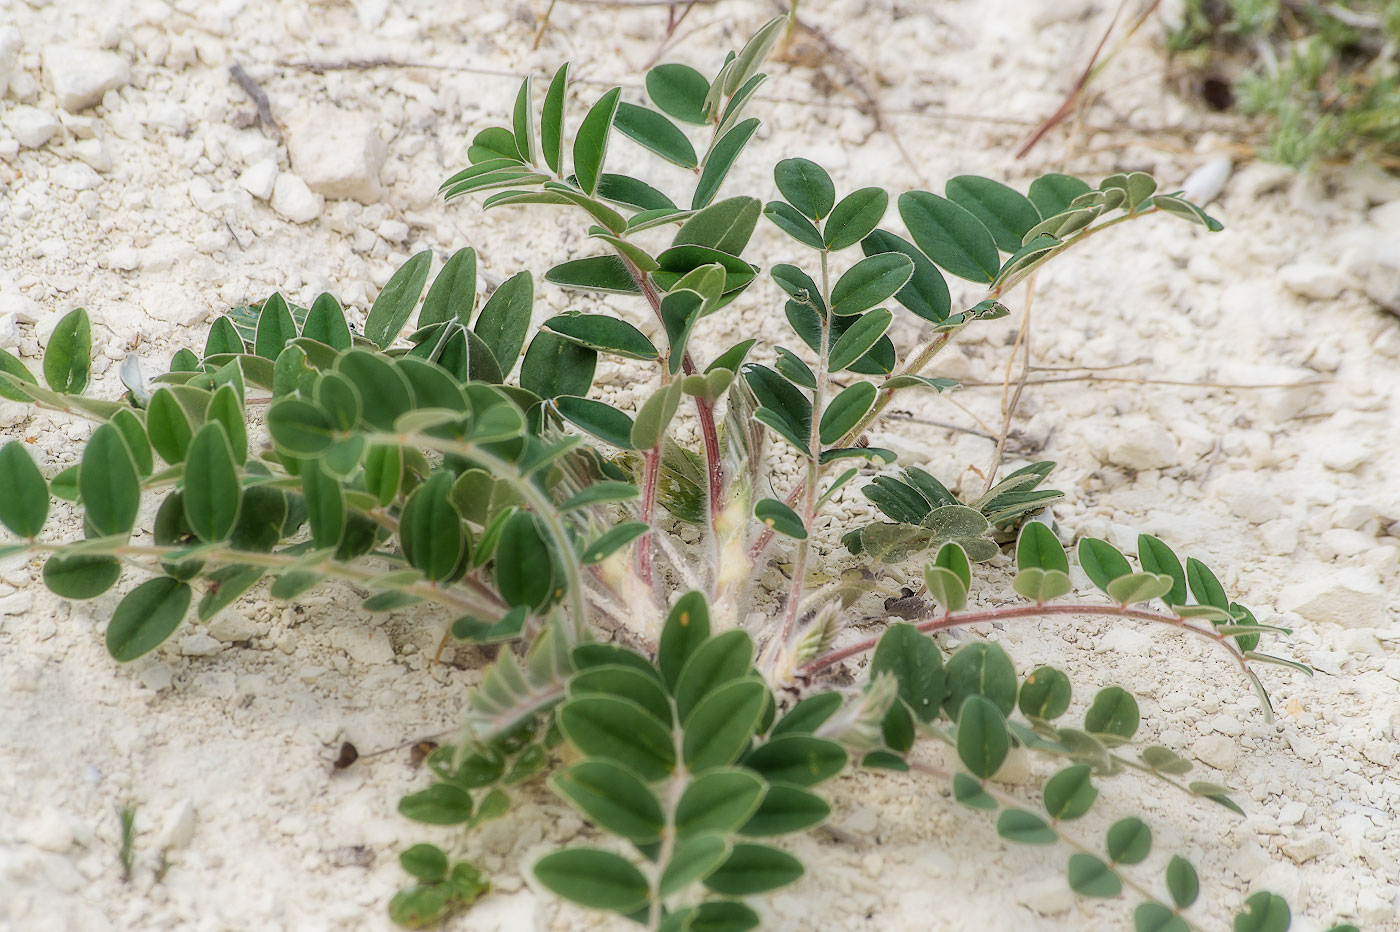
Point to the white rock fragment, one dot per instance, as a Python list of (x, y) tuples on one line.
[(80, 76), (1292, 813), (1305, 849), (1142, 444), (178, 828), (1351, 597), (25, 309), (10, 42), (94, 153), (1313, 280), (31, 126), (1345, 454), (260, 178), (9, 332), (76, 177), (1252, 504), (1216, 750), (1280, 537), (337, 152), (1205, 183), (363, 644), (199, 644), (1048, 897), (294, 200), (124, 259), (232, 627), (16, 603)]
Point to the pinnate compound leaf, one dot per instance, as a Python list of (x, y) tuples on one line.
[(1154, 917), (679, 91), (786, 809), (845, 411), (778, 516), (613, 799), (1070, 793), (982, 740), (653, 131), (212, 493), (591, 141), (505, 319), (612, 540), (1139, 587), (687, 627), (968, 791), (1045, 695), (926, 292), (24, 503), (430, 528), (108, 483), (916, 663), (1090, 876), (1182, 882), (855, 217), (81, 575), (1025, 828), (1129, 841), (555, 366), (68, 357), (452, 295), (1041, 585), (981, 669), (620, 731), (603, 333), (594, 878), (806, 186), (725, 657), (1102, 562), (1006, 214), (693, 859), (1264, 912), (799, 760), (524, 571), (950, 235), (858, 338), (1051, 194), (751, 869), (788, 219), (1157, 557), (396, 301), (721, 158), (944, 587), (1038, 548), (597, 418), (869, 282), (146, 616)]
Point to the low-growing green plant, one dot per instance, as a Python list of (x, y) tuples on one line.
[(1324, 76), (461, 462)]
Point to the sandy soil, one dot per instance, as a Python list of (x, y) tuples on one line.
[(152, 210)]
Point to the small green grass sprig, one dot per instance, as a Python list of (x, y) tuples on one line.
[(1324, 77), (452, 454)]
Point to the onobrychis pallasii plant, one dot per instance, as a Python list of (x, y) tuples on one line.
[(611, 561)]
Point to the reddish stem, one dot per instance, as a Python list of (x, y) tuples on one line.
[(704, 408), (653, 464), (946, 621)]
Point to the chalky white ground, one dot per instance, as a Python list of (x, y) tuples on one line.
[(155, 211)]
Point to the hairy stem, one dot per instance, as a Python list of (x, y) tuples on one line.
[(1011, 802), (650, 477), (949, 620), (814, 446), (924, 354), (704, 408)]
